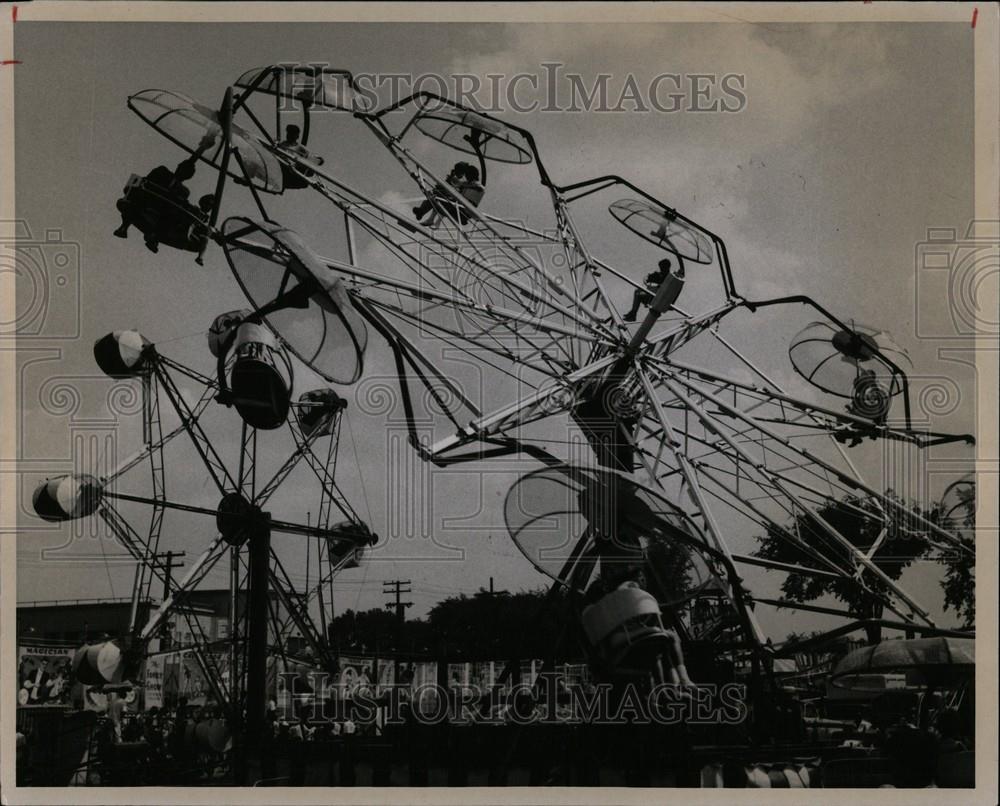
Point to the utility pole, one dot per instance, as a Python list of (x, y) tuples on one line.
[(396, 588), (166, 561), (168, 566)]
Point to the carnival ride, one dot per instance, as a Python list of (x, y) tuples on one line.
[(254, 377), (721, 452)]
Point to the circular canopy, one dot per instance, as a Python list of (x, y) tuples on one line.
[(938, 661), (665, 229), (307, 84), (317, 322), (197, 129), (831, 358), (563, 517), (451, 126)]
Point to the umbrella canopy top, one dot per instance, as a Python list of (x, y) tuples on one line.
[(832, 359), (199, 130), (325, 332), (937, 660)]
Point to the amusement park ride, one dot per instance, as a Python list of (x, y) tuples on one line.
[(686, 455)]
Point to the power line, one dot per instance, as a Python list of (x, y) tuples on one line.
[(396, 587)]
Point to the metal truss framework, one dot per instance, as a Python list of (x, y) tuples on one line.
[(543, 317)]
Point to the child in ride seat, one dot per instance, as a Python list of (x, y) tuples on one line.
[(652, 281), (170, 185), (456, 177), (468, 182), (293, 177)]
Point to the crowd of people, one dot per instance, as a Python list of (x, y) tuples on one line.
[(915, 741), (170, 745)]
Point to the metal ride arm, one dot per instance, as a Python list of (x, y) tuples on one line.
[(753, 305), (603, 182), (823, 416), (572, 245), (216, 468), (157, 444), (402, 354), (553, 398), (334, 566), (796, 458), (544, 298), (706, 419), (134, 545), (328, 483), (207, 561), (374, 121), (198, 570), (226, 119), (415, 355), (559, 396), (691, 481), (731, 497), (297, 606), (851, 482)]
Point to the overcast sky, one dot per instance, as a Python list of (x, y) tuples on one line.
[(854, 139)]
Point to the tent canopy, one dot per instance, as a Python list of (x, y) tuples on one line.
[(934, 661)]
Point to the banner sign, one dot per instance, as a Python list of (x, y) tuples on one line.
[(44, 675), (154, 679)]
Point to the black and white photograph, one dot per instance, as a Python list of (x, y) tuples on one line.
[(434, 403)]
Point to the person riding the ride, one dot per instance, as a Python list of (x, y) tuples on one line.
[(652, 281), (165, 187), (456, 177), (293, 176), (468, 182), (205, 205)]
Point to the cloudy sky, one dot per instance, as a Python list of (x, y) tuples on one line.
[(853, 140)]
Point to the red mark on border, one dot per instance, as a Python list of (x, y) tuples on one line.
[(5, 62), (975, 16), (13, 14)]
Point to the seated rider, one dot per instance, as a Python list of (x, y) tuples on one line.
[(292, 143), (477, 179), (869, 399), (205, 205), (168, 185), (454, 178), (670, 662), (468, 182), (198, 232), (652, 281)]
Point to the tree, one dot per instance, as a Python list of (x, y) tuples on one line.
[(370, 630), (957, 513), (483, 626), (499, 625), (861, 521)]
